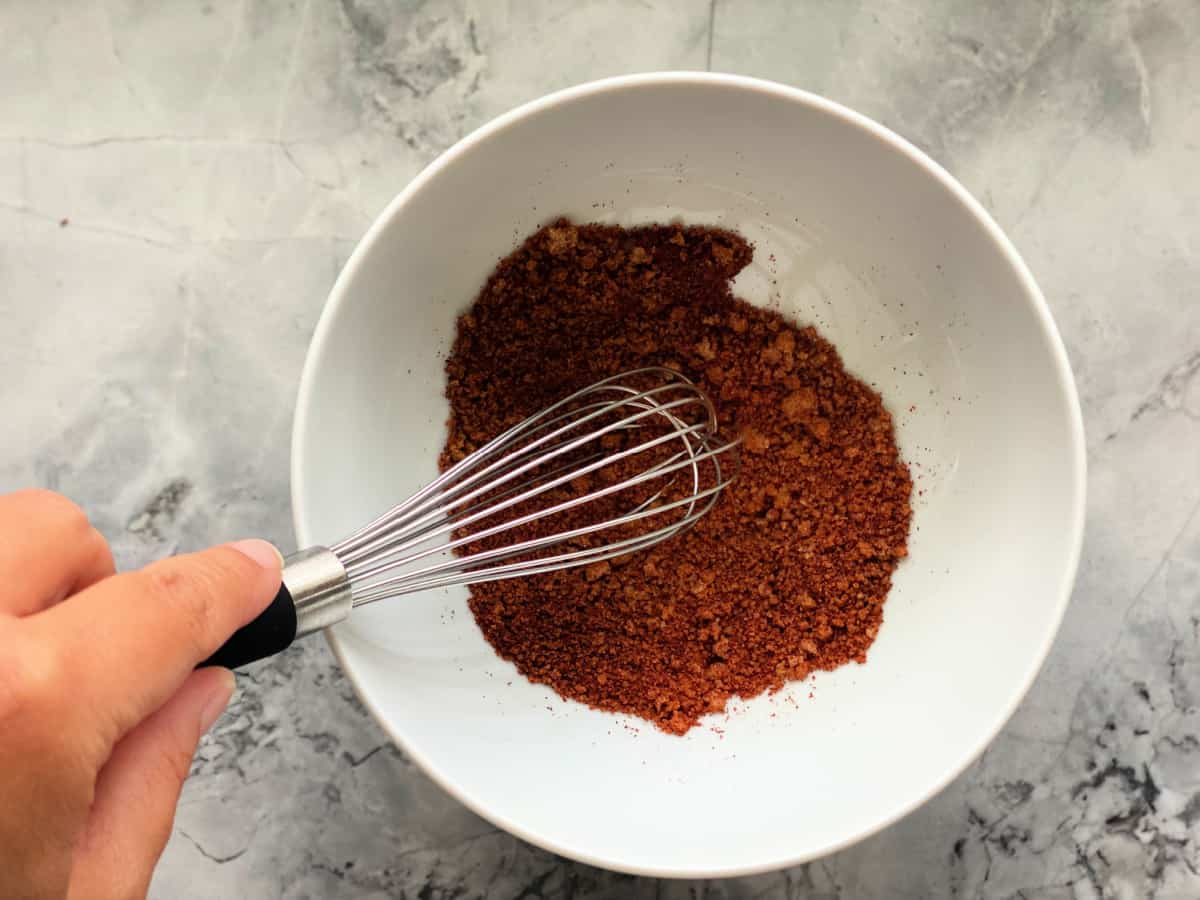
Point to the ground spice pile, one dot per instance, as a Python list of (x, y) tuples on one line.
[(790, 570)]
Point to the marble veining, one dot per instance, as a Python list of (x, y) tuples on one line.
[(181, 181)]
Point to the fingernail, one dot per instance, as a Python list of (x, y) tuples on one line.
[(217, 700), (262, 552)]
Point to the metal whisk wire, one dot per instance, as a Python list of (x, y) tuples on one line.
[(652, 429), (439, 519)]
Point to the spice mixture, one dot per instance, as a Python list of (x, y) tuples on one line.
[(790, 570)]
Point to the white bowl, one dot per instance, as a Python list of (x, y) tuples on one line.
[(856, 231)]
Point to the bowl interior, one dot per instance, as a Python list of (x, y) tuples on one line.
[(856, 233)]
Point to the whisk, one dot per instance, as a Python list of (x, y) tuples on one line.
[(648, 432)]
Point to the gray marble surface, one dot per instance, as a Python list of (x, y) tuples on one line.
[(180, 182)]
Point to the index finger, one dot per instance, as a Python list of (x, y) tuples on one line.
[(124, 646), (49, 551)]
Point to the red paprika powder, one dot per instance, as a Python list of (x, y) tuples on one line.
[(787, 574)]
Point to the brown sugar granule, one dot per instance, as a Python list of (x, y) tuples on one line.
[(790, 570)]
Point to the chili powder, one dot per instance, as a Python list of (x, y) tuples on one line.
[(790, 570)]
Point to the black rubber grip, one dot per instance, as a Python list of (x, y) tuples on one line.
[(272, 632)]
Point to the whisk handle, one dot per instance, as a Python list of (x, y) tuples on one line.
[(271, 632), (315, 594)]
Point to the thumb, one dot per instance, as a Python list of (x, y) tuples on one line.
[(136, 792)]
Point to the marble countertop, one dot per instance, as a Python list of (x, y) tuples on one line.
[(181, 181)]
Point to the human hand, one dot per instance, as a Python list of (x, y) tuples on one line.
[(101, 706)]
